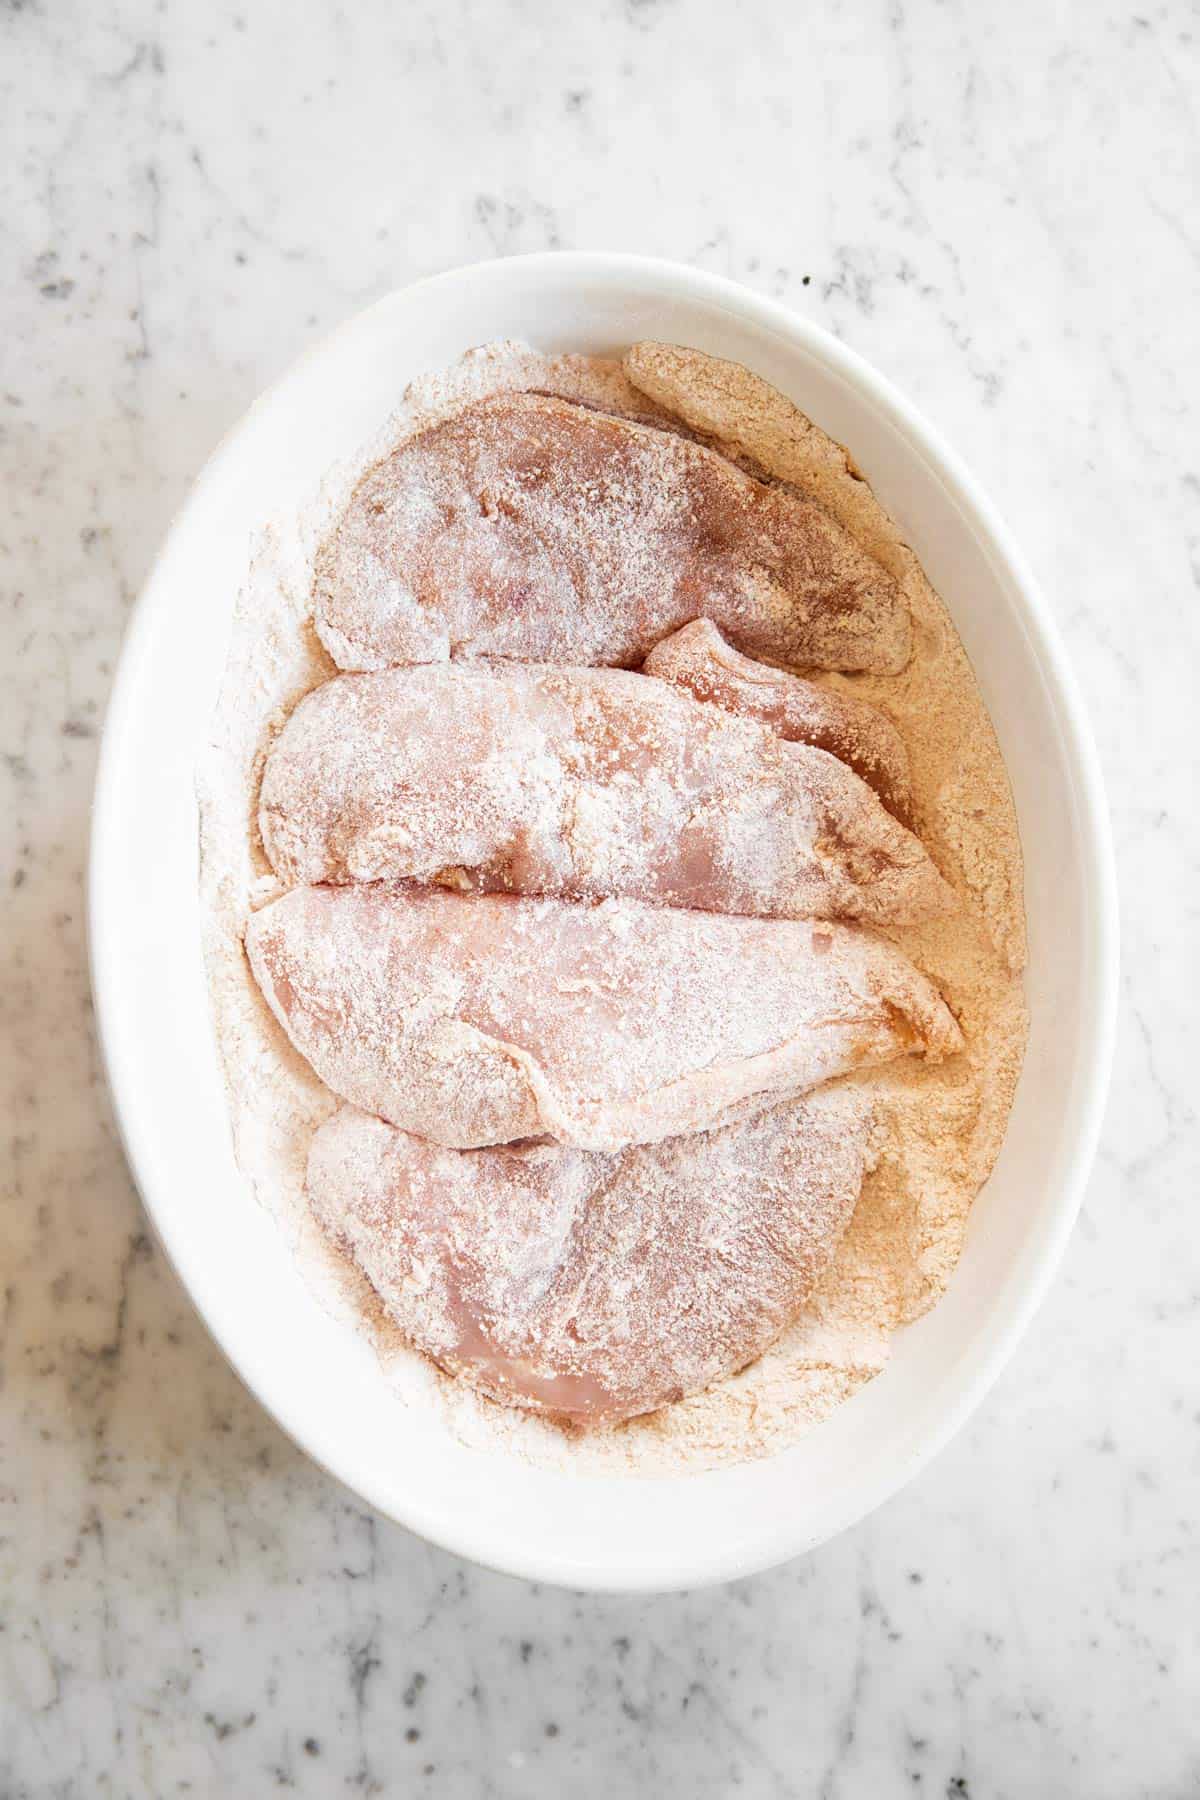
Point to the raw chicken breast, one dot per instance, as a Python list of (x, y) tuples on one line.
[(479, 1019), (587, 783), (587, 1286), (529, 527), (698, 658)]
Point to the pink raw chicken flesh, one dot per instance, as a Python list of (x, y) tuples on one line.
[(595, 1287), (587, 783), (528, 527), (698, 658), (480, 1019)]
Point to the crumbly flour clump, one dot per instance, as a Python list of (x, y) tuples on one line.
[(938, 1127)]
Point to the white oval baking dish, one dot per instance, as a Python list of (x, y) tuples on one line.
[(320, 1380)]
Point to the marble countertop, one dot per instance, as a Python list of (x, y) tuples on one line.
[(997, 206)]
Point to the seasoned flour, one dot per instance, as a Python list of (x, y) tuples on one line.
[(938, 1128)]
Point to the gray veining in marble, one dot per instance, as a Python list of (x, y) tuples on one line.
[(998, 204)]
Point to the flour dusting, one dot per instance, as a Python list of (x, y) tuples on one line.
[(938, 1127)]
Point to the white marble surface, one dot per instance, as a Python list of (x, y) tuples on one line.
[(998, 205)]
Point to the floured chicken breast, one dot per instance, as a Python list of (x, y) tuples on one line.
[(588, 1286), (698, 658), (480, 1019), (586, 783), (526, 526)]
